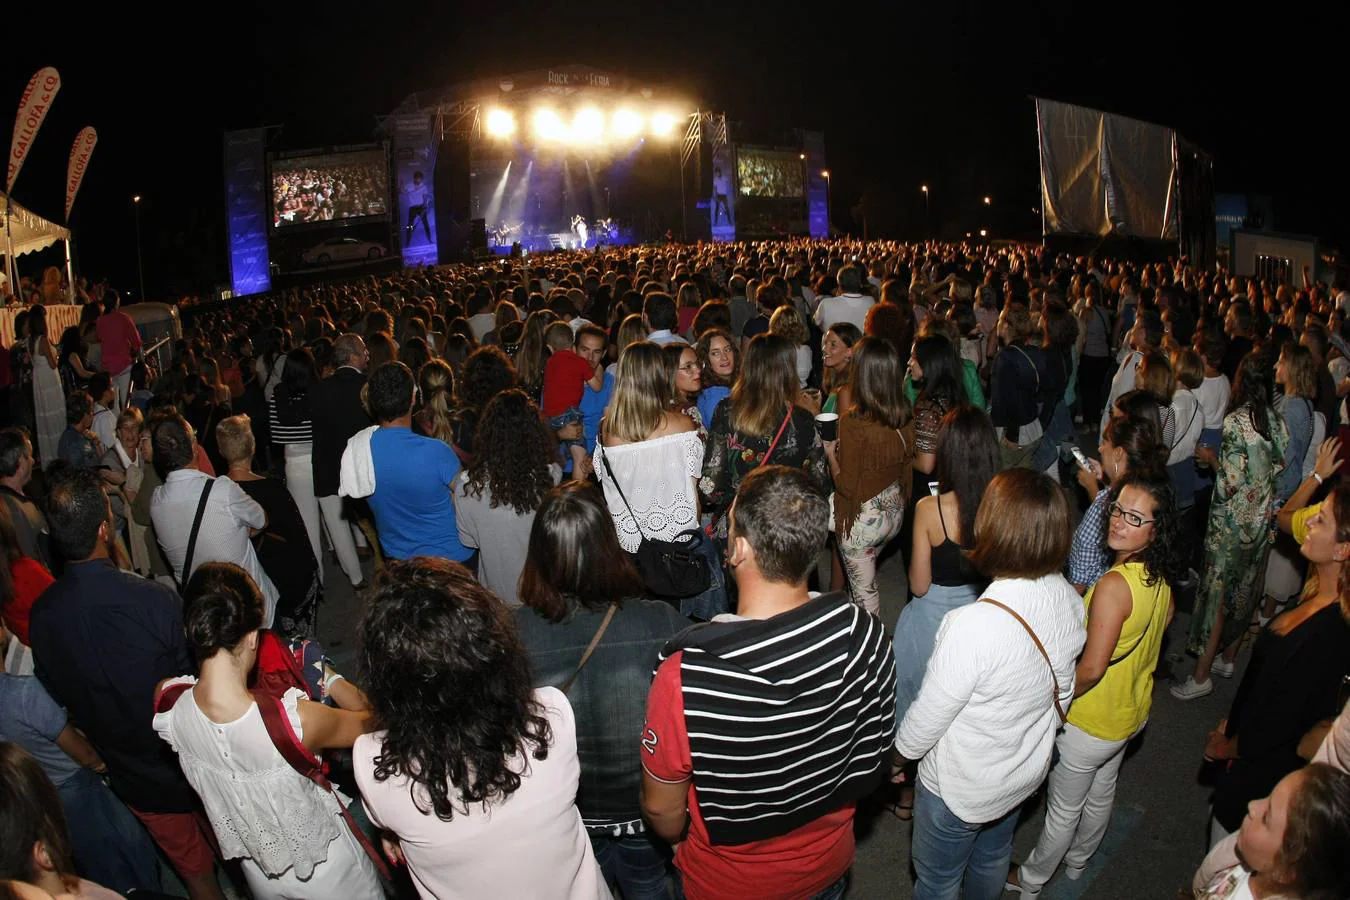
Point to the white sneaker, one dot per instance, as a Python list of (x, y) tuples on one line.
[(1223, 668), (1190, 689), (1026, 893)]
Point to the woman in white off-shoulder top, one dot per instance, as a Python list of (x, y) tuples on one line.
[(287, 832), (647, 454)]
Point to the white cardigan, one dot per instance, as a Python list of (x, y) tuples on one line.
[(983, 723)]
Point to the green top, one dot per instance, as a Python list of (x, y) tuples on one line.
[(970, 376)]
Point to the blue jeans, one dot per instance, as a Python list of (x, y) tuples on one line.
[(714, 600), (633, 864), (946, 850), (110, 845)]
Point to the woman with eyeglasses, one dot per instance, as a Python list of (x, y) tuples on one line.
[(686, 377), (1130, 446), (1129, 609)]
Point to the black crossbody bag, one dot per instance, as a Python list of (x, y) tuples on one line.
[(671, 570)]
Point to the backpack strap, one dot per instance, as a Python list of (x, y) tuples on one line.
[(303, 760)]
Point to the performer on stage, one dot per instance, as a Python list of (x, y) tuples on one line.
[(579, 227), (721, 189), (415, 199)]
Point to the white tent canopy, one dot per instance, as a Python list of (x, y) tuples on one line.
[(30, 231)]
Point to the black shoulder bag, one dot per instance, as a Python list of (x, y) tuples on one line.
[(192, 536), (671, 570)]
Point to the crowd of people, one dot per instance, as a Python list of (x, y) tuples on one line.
[(615, 520), (323, 194)]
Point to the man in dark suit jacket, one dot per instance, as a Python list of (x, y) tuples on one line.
[(336, 410)]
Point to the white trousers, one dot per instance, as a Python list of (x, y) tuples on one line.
[(340, 533), (1078, 802), (122, 382), (300, 482)]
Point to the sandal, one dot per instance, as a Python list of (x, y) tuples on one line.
[(902, 811)]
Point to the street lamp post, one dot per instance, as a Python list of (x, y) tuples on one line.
[(828, 206), (140, 265), (927, 219)]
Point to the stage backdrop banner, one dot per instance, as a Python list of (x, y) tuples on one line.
[(80, 151), (246, 211), (1105, 174), (34, 105), (414, 164)]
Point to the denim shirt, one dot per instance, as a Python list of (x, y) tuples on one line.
[(609, 697)]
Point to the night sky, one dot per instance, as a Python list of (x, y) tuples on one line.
[(905, 94)]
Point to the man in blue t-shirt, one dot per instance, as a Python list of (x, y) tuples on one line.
[(414, 513), (591, 345)]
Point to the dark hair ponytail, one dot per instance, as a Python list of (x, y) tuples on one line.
[(222, 606), (1142, 442)]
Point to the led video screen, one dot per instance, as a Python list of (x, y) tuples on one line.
[(307, 189), (768, 173)]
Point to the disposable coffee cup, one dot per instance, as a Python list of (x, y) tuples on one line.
[(827, 424)]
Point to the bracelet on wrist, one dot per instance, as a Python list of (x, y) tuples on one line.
[(1318, 477)]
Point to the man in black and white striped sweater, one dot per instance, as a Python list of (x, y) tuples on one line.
[(764, 728)]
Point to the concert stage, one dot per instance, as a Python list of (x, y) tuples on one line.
[(573, 157)]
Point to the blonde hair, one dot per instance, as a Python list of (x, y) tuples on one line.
[(1188, 367), (130, 416), (787, 321), (530, 356), (631, 330), (642, 392), (437, 381), (1301, 375), (234, 438), (1155, 377), (767, 386), (688, 296), (505, 313)]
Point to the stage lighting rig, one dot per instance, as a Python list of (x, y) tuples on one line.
[(588, 125), (501, 123), (625, 123), (548, 125), (663, 125)]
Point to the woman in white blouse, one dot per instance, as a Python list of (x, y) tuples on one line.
[(1188, 421), (649, 457), (985, 719), (288, 832)]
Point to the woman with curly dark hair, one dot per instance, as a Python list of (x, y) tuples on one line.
[(496, 497), (462, 734), (487, 372), (1129, 609)]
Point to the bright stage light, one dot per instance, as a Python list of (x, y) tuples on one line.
[(588, 126), (625, 123), (501, 123), (663, 124), (548, 126)]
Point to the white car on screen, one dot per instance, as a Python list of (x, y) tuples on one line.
[(341, 249)]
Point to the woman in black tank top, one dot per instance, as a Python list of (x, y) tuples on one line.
[(940, 577)]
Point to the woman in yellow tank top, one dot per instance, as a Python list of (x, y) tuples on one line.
[(1129, 609)]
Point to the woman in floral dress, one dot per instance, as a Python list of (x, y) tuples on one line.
[(760, 416), (1250, 458)]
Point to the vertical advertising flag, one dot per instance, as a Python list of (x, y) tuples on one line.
[(80, 152), (33, 107)]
